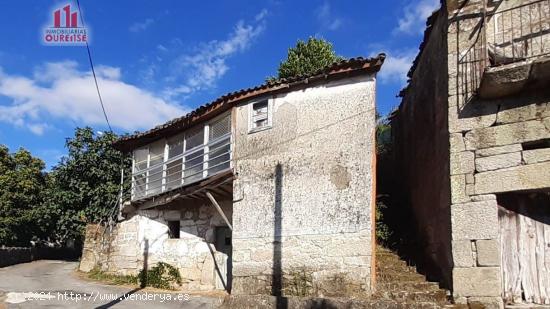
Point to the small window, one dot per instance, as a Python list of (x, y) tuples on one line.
[(260, 116), (174, 229)]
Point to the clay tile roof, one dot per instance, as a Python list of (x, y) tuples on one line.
[(337, 70)]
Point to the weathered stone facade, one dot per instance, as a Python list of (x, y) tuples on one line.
[(497, 142), (304, 191), (420, 131), (301, 192), (143, 240)]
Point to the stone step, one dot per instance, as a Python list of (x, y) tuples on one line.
[(404, 268), (437, 296), (407, 286), (388, 261), (269, 302), (399, 276), (392, 304)]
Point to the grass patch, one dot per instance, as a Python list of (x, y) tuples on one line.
[(97, 274), (161, 276)]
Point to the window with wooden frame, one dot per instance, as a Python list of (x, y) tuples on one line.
[(260, 115)]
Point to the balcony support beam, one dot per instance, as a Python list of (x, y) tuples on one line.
[(219, 209)]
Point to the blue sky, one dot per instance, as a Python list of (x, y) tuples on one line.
[(159, 59)]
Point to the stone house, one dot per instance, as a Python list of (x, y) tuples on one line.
[(472, 143), (265, 190)]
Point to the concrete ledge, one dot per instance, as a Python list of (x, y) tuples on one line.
[(504, 80), (513, 78)]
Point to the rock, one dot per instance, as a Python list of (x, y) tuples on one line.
[(485, 302), (462, 163), (498, 161), (474, 116), (456, 142), (462, 253), (504, 81), (474, 220), (507, 134), (536, 155), (484, 197), (172, 215), (476, 281), (493, 151), (488, 252), (525, 177), (458, 189), (518, 109)]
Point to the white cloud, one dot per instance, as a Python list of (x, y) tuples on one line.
[(141, 26), (60, 91), (204, 66), (396, 66), (414, 16), (326, 17)]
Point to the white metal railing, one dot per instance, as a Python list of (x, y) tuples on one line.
[(212, 157)]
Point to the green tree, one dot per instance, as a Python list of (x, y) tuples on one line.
[(307, 58), (22, 181), (84, 186)]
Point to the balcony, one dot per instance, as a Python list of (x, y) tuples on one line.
[(182, 160), (509, 50)]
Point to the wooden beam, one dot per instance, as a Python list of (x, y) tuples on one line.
[(219, 209)]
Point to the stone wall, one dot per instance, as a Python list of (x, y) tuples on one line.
[(303, 195), (421, 144), (143, 239), (14, 255), (496, 145)]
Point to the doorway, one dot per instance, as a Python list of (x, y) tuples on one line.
[(223, 243), (524, 220)]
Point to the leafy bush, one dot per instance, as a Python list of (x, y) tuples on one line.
[(162, 276), (383, 231)]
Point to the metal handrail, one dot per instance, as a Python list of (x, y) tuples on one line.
[(180, 163), (188, 152), (159, 174), (140, 196), (488, 51)]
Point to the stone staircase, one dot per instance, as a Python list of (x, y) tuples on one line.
[(400, 286)]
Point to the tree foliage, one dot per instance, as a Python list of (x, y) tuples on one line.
[(84, 186), (22, 182), (54, 207), (307, 57)]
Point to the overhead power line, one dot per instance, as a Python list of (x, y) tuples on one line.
[(93, 70)]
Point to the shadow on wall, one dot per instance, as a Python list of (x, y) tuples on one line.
[(277, 272), (143, 279), (226, 285)]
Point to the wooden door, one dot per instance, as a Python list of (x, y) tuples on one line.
[(525, 247)]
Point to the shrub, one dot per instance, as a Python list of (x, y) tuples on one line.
[(161, 276)]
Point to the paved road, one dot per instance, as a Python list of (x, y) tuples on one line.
[(55, 284)]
